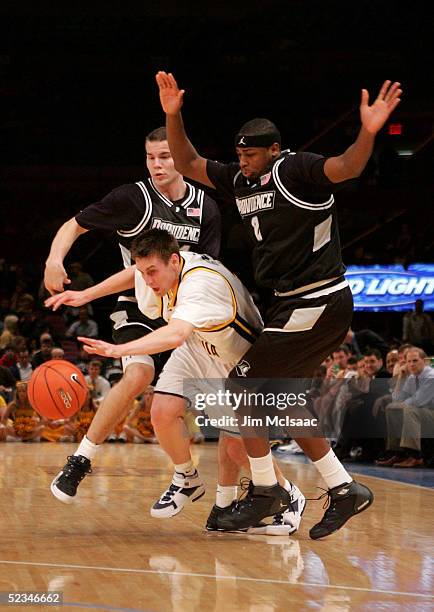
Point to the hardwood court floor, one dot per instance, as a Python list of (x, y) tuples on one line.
[(106, 553)]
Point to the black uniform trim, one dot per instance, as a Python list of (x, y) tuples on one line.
[(243, 332), (173, 295)]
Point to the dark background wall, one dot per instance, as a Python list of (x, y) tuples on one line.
[(77, 94)]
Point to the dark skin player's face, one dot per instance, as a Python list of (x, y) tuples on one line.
[(255, 160)]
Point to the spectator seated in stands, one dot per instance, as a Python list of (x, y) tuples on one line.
[(359, 342), (22, 369), (10, 330), (410, 415), (396, 365), (76, 428), (21, 301), (83, 359), (392, 359), (44, 353), (418, 328), (57, 353), (84, 326), (7, 432), (100, 385), (79, 280), (26, 423), (7, 383), (361, 439), (328, 405), (9, 358)]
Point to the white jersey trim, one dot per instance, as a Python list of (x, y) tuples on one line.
[(146, 216), (322, 292), (160, 195), (291, 198), (236, 177), (191, 196)]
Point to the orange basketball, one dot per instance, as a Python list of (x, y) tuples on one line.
[(57, 389)]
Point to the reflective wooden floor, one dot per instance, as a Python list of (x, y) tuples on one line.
[(107, 553)]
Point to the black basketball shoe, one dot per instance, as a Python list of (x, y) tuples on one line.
[(65, 485), (212, 523), (258, 503), (343, 502)]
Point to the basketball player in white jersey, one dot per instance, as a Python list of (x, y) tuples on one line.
[(212, 322), (163, 200)]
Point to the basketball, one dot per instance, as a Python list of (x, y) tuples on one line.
[(57, 389)]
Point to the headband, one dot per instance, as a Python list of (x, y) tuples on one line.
[(261, 140)]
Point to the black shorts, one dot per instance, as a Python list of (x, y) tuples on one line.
[(128, 324), (299, 333)]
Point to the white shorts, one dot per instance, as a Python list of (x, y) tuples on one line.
[(145, 359), (192, 374)]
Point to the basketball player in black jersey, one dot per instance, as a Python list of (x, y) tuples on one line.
[(165, 201), (286, 203)]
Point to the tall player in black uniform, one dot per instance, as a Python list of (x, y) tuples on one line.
[(286, 203), (165, 201)]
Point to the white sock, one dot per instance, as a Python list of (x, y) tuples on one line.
[(287, 486), (263, 474), (87, 448), (332, 470), (225, 495), (186, 468)]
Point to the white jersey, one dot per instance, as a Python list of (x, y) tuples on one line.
[(225, 319)]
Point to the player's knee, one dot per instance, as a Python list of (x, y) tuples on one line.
[(137, 377), (164, 411)]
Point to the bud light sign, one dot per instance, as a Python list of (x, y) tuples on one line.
[(381, 288)]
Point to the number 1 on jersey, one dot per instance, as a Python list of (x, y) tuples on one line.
[(255, 225)]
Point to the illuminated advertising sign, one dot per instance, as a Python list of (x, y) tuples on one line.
[(381, 288)]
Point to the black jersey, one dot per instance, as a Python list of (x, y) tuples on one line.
[(290, 214), (130, 209)]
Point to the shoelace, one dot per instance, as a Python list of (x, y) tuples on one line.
[(74, 467), (170, 493), (278, 519), (326, 494), (329, 505), (246, 486)]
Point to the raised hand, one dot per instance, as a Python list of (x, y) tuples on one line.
[(375, 116), (171, 97), (69, 298), (99, 347)]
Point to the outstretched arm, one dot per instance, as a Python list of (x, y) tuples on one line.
[(351, 163), (113, 284), (55, 276), (163, 339), (187, 160)]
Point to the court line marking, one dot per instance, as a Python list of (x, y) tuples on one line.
[(215, 577), (283, 459), (391, 480)]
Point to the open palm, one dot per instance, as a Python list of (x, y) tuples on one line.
[(375, 116), (170, 94)]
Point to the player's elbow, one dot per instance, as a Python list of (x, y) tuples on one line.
[(180, 333), (179, 337), (355, 172)]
